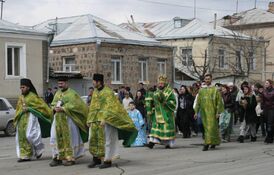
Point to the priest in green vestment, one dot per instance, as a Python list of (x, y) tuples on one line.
[(108, 122), (160, 107), (68, 131), (32, 121), (210, 105)]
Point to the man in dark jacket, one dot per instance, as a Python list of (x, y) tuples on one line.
[(268, 108)]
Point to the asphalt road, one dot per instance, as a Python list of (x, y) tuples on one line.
[(186, 158)]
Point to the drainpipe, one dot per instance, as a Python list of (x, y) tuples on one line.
[(173, 63), (98, 44), (215, 20), (266, 44), (210, 52), (50, 39)]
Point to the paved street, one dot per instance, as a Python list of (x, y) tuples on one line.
[(187, 158)]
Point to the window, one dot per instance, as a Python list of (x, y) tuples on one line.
[(187, 57), (3, 106), (116, 75), (238, 62), (161, 67), (177, 23), (15, 60), (221, 55), (143, 76), (252, 60), (69, 64)]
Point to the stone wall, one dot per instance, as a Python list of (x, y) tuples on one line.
[(85, 56), (92, 58)]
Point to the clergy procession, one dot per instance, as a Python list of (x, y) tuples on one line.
[(156, 116)]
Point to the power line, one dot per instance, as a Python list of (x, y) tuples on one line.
[(182, 6)]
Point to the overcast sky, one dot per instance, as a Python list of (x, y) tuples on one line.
[(31, 12)]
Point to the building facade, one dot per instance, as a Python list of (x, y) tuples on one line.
[(125, 58), (202, 47), (121, 64), (257, 23), (24, 54)]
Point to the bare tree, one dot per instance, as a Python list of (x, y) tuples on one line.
[(198, 64)]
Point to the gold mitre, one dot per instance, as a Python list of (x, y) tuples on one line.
[(162, 79)]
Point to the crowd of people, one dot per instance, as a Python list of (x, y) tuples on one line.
[(153, 116), (249, 105)]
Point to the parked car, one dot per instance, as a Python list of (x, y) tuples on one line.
[(7, 114)]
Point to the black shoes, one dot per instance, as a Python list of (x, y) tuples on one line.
[(55, 162), (96, 161), (69, 163), (205, 148), (23, 160), (240, 139), (253, 139), (39, 156), (105, 165), (168, 147), (150, 145), (268, 140)]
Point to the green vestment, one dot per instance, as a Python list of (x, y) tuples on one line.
[(105, 106), (209, 104), (75, 108), (160, 107), (39, 109)]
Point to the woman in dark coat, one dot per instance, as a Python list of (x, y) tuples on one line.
[(226, 119), (185, 111), (248, 104), (140, 103)]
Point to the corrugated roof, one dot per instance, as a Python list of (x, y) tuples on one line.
[(8, 27), (89, 28), (194, 28), (190, 29), (252, 16)]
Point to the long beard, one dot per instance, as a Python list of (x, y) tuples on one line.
[(25, 93), (161, 87), (64, 89)]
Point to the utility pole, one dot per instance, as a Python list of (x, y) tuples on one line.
[(237, 5), (255, 5), (194, 8), (2, 4)]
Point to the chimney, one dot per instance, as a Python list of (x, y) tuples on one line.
[(132, 19), (271, 7), (215, 20)]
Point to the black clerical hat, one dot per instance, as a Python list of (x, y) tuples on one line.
[(62, 78), (28, 83), (98, 77)]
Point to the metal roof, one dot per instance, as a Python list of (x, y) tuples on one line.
[(89, 28), (189, 29), (8, 27), (252, 16)]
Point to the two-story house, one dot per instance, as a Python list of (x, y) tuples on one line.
[(203, 47), (257, 23)]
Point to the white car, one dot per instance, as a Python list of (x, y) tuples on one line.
[(7, 114)]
